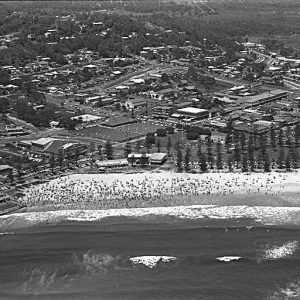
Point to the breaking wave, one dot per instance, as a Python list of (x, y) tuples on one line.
[(290, 292), (152, 261), (38, 280), (228, 258), (279, 252), (96, 262), (6, 233)]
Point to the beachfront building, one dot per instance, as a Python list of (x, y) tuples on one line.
[(158, 158), (110, 164), (139, 159)]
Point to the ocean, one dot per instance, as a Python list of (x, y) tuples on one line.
[(210, 261)]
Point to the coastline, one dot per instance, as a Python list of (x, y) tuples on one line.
[(270, 199)]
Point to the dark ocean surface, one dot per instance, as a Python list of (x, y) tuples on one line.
[(92, 261)]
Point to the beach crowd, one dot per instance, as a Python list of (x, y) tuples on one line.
[(100, 191)]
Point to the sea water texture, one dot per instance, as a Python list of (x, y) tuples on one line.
[(133, 261)]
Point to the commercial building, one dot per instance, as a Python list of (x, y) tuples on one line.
[(194, 113)]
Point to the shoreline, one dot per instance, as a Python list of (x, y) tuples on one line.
[(256, 216)]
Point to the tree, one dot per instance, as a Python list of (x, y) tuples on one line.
[(144, 159), (245, 164), (280, 137), (228, 139), (148, 144), (138, 146), (187, 159), (52, 162), (273, 136), (158, 145), (169, 145), (203, 163), (100, 149), (219, 162), (108, 150), (179, 161), (288, 163), (281, 159), (288, 135), (60, 158), (230, 166), (199, 150), (127, 149), (266, 163), (10, 176), (237, 154)]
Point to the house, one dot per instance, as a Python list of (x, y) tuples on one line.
[(5, 169), (158, 158), (137, 103), (135, 159)]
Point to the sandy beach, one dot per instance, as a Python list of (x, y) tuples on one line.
[(116, 191)]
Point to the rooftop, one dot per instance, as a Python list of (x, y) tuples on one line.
[(191, 110)]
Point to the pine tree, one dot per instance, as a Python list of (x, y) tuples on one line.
[(266, 164), (288, 135), (169, 145), (230, 166), (288, 163), (228, 139), (138, 146), (148, 145), (60, 159), (243, 141), (203, 163), (280, 137), (273, 136), (158, 145), (100, 149), (237, 154), (199, 151), (219, 162), (281, 159), (52, 162), (187, 159), (108, 150), (245, 164), (10, 177), (127, 149), (179, 161)]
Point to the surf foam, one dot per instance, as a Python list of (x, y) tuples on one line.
[(151, 261), (279, 252), (228, 258)]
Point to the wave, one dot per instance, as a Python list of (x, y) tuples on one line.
[(151, 261), (279, 252), (97, 262), (290, 292), (6, 233), (228, 258), (38, 280), (265, 215)]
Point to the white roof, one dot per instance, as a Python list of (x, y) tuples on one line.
[(192, 110), (43, 141), (87, 118)]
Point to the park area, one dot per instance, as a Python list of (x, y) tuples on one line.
[(119, 134)]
